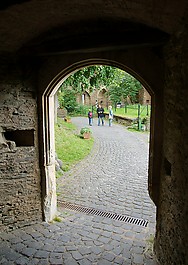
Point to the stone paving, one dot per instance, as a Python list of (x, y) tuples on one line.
[(112, 178)]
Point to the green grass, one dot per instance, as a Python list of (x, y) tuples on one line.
[(58, 174), (70, 147), (57, 219), (132, 111)]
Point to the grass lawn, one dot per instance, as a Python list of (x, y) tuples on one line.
[(132, 111), (70, 147)]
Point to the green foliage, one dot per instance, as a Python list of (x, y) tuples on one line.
[(115, 93), (81, 110), (57, 219), (89, 78), (124, 86), (120, 85), (85, 130), (70, 148), (67, 99), (130, 87)]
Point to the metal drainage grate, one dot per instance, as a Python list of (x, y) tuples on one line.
[(114, 216)]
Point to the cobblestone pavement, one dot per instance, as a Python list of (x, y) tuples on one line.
[(113, 178)]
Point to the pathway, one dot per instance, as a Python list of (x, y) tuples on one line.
[(112, 179)]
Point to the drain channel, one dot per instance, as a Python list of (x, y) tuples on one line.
[(114, 216)]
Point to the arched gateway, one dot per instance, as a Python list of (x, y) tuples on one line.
[(49, 194), (41, 44)]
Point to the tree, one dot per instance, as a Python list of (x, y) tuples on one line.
[(120, 84), (90, 78), (67, 99), (125, 85), (115, 94), (130, 87)]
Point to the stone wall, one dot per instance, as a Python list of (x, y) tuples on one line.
[(144, 97), (20, 196), (90, 98), (171, 242)]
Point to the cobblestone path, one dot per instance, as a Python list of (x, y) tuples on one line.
[(113, 178)]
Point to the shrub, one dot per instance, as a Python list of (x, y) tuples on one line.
[(85, 130)]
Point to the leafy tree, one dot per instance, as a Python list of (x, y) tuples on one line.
[(125, 86), (120, 85), (115, 93), (130, 87), (90, 78), (67, 99)]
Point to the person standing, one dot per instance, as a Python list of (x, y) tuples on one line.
[(110, 115), (100, 112), (90, 116)]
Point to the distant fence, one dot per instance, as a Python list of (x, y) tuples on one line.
[(141, 115), (141, 109)]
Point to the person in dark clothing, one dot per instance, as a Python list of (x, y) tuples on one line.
[(100, 112)]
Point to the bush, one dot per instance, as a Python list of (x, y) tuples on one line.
[(81, 110), (85, 130)]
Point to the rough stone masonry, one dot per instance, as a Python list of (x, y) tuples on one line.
[(20, 199)]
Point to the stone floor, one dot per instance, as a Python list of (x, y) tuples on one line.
[(113, 178)]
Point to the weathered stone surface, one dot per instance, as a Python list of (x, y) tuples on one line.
[(171, 241), (20, 194), (64, 37)]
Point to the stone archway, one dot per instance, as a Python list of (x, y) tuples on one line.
[(102, 99), (49, 195)]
